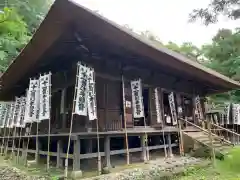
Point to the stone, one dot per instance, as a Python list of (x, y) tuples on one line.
[(31, 163), (76, 174), (106, 170)]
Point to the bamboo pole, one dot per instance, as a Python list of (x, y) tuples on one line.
[(211, 141), (49, 125), (71, 124), (125, 121)]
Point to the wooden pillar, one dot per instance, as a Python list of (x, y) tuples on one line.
[(63, 107), (24, 151), (38, 147), (144, 148), (107, 151), (76, 155), (59, 151), (170, 154)]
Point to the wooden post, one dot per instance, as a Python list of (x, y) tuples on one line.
[(38, 147), (144, 150), (59, 151), (19, 144), (107, 151), (181, 143), (30, 129), (76, 155), (170, 154), (211, 141), (24, 152)]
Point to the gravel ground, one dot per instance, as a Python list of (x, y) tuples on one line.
[(150, 171), (153, 169), (12, 173)]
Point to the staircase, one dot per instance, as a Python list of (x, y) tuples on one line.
[(217, 139)]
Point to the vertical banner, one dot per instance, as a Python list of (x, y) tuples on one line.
[(3, 114), (92, 104), (9, 117), (16, 111), (228, 107), (81, 90), (32, 101), (198, 108), (172, 108), (235, 113), (44, 98), (137, 99), (157, 105), (7, 110), (21, 113)]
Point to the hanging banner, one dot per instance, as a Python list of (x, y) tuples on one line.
[(21, 113), (228, 107), (44, 108), (157, 105), (92, 104), (32, 107), (198, 108), (3, 113), (16, 111), (82, 89), (235, 113), (238, 114), (9, 117), (172, 108), (137, 99)]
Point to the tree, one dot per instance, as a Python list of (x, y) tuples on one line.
[(187, 49), (210, 14), (223, 55), (13, 36), (32, 11)]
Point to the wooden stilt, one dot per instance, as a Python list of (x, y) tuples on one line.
[(9, 133), (76, 154), (125, 121), (107, 151), (59, 151), (98, 147), (28, 140), (19, 144), (13, 142), (3, 141), (38, 146), (164, 143), (170, 154)]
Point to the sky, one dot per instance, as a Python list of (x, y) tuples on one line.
[(168, 19)]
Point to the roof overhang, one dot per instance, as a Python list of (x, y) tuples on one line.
[(64, 13)]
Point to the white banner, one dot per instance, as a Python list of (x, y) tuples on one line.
[(228, 113), (44, 108), (3, 113), (32, 106), (21, 113), (16, 112), (6, 109), (9, 117), (137, 99), (157, 105), (82, 91), (92, 104), (172, 108)]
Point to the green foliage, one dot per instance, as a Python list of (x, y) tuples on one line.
[(229, 8), (13, 36), (32, 11)]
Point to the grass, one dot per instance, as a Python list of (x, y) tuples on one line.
[(227, 169)]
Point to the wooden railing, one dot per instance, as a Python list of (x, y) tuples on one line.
[(206, 131)]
